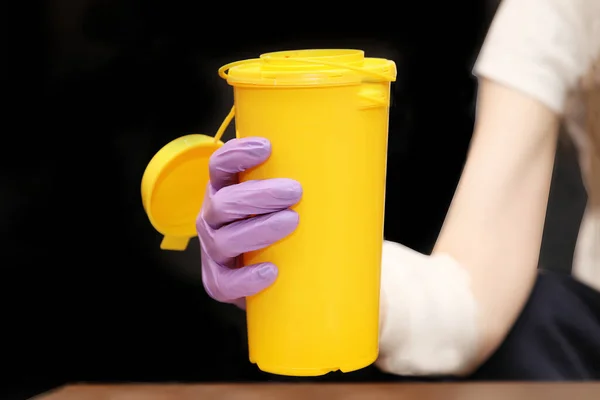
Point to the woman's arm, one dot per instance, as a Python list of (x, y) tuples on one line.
[(447, 313), (495, 223)]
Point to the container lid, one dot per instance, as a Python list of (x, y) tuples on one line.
[(323, 67), (173, 187)]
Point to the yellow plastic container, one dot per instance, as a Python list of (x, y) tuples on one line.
[(326, 115)]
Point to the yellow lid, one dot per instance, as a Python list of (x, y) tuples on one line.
[(324, 67), (173, 187)]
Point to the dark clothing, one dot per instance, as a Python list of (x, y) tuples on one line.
[(557, 336)]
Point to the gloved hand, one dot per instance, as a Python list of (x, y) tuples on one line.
[(240, 217)]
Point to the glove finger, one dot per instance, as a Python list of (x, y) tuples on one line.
[(254, 233), (249, 198), (225, 244), (228, 242), (235, 156), (229, 285)]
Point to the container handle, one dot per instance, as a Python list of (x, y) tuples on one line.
[(224, 124), (223, 74), (223, 70)]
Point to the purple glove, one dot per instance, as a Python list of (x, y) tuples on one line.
[(240, 217)]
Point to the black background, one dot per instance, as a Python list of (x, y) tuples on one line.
[(102, 85)]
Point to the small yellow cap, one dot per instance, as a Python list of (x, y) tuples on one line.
[(173, 188)]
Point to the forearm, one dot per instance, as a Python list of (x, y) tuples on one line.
[(495, 223)]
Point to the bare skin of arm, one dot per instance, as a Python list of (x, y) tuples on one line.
[(495, 223)]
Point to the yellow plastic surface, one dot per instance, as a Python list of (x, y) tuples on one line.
[(328, 127), (309, 68), (173, 188)]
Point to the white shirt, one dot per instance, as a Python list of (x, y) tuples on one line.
[(550, 50)]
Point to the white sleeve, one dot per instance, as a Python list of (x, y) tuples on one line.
[(541, 47), (428, 314)]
